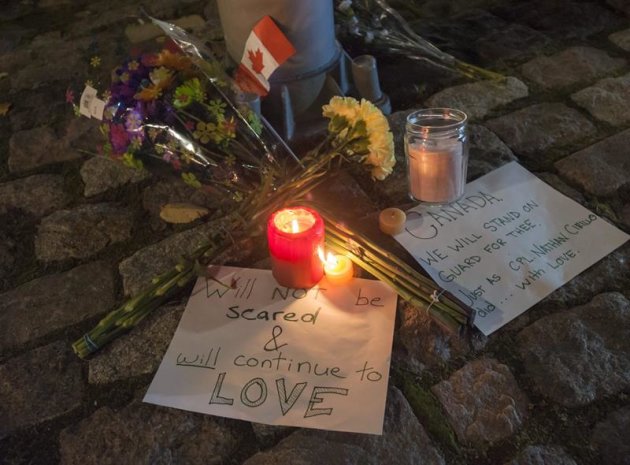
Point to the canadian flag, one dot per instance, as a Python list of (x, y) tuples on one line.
[(266, 49)]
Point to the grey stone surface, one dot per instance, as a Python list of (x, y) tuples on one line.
[(54, 302), (404, 441), (342, 186), (542, 455), (558, 184), (426, 341), (478, 99), (610, 438), (37, 147), (154, 197), (609, 274), (580, 355), (483, 402), (53, 58), (138, 270), (83, 231), (101, 174), (269, 435), (572, 66), (39, 385), (145, 434), (625, 215), (7, 256), (37, 195), (487, 151), (620, 5), (139, 354), (607, 100), (621, 39), (600, 169), (532, 131), (567, 19), (511, 42)]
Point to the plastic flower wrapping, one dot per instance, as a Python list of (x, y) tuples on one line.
[(381, 28), (178, 107), (164, 106)]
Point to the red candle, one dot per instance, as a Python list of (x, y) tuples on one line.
[(295, 236)]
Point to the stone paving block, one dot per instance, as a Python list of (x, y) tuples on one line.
[(37, 195), (483, 402), (542, 455), (558, 184), (165, 191), (404, 441), (612, 273), (139, 354), (621, 39), (600, 169), (83, 231), (37, 147), (102, 174), (580, 355), (145, 434), (53, 58), (487, 151), (427, 342), (7, 256), (270, 435), (562, 20), (355, 202), (138, 270), (610, 438), (607, 100), (55, 302), (33, 148), (572, 66), (39, 385), (621, 5), (510, 42), (478, 99), (533, 130)]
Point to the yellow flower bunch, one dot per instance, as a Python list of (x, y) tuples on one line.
[(380, 142)]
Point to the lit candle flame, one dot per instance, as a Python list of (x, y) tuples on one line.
[(331, 260), (295, 227)]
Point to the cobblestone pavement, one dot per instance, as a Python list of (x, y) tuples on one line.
[(79, 233)]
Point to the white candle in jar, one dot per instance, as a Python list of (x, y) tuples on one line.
[(437, 171)]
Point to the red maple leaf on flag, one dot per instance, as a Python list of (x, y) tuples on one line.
[(257, 60)]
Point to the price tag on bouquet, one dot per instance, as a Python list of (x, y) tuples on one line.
[(251, 349), (507, 243)]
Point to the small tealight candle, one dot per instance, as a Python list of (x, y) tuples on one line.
[(392, 221), (295, 235), (338, 269)]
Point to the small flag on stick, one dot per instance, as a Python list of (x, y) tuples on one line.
[(266, 49)]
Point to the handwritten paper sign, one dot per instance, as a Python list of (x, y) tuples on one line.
[(509, 242), (257, 351)]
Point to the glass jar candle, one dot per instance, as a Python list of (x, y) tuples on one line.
[(436, 151), (296, 241)]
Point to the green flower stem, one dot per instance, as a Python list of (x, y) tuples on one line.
[(390, 262), (401, 285), (433, 310)]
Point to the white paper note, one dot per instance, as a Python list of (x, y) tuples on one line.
[(257, 351), (509, 242)]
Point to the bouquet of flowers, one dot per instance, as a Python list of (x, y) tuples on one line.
[(181, 108), (381, 27)]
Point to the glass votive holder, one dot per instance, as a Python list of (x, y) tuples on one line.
[(436, 150)]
